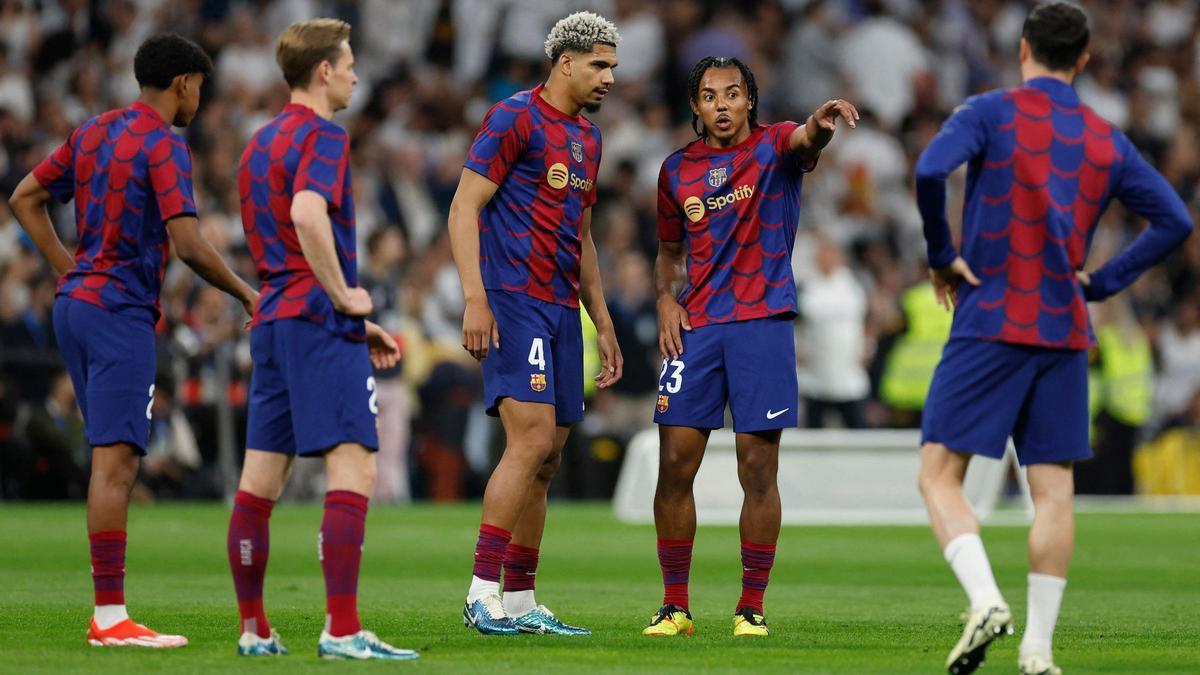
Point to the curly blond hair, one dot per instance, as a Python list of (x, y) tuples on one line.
[(579, 32)]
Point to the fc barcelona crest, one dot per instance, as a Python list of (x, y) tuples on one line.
[(577, 150), (717, 177), (663, 403), (537, 382)]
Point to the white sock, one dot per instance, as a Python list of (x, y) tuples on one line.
[(970, 564), (480, 588), (1045, 597), (517, 603), (107, 616)]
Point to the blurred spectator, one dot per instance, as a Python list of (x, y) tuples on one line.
[(832, 346), (382, 279), (56, 461)]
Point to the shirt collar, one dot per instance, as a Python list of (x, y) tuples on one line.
[(146, 109), (1057, 89)]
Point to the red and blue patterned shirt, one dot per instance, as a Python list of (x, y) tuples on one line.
[(128, 173), (736, 209), (1041, 169), (297, 151), (544, 163)]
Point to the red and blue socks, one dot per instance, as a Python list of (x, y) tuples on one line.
[(340, 544), (248, 544), (675, 559), (108, 577), (520, 573), (490, 550), (757, 560)]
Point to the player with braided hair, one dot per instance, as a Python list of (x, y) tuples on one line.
[(728, 206)]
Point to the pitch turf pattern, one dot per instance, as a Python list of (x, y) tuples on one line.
[(841, 600)]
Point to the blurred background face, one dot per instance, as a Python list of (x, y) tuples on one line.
[(722, 103)]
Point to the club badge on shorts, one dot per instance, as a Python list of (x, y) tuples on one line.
[(537, 382), (663, 403)]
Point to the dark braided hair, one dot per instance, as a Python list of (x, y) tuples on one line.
[(702, 67)]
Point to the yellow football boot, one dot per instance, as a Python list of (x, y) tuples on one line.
[(748, 623), (671, 620)]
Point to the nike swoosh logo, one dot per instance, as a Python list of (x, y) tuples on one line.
[(772, 415)]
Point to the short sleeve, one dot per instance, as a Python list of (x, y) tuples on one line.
[(499, 143), (170, 169), (56, 172), (780, 135), (324, 161), (670, 220)]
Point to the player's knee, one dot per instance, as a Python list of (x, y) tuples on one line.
[(757, 473), (549, 467)]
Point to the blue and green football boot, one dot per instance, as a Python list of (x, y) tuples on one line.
[(487, 616), (542, 621)]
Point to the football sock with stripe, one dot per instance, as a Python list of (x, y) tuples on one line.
[(520, 573), (489, 559), (341, 540), (757, 560), (108, 577), (675, 559), (248, 545)]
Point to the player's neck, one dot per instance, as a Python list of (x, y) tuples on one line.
[(318, 103), (559, 100), (165, 108), (1033, 70), (723, 143)]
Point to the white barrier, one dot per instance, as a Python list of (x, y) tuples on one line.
[(825, 477)]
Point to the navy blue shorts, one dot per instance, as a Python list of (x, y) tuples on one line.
[(751, 365), (540, 359), (310, 390), (983, 392), (110, 358)]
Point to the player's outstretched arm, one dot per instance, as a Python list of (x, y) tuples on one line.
[(28, 205), (1144, 191), (310, 216), (195, 251), (479, 326), (670, 267), (810, 138), (591, 291)]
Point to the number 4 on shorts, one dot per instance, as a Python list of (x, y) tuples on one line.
[(537, 354)]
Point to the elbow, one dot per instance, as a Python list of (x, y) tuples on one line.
[(187, 252)]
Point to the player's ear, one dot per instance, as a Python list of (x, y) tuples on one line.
[(565, 63), (1023, 52), (1082, 61)]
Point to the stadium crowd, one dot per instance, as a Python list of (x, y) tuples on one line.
[(869, 333)]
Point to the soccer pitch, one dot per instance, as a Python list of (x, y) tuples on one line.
[(841, 599)]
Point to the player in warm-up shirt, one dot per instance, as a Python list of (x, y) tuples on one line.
[(728, 207), (312, 392), (131, 178), (520, 226), (1041, 168)]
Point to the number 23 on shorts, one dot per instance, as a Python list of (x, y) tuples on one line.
[(675, 381)]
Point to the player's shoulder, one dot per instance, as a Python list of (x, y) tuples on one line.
[(985, 103), (509, 109)]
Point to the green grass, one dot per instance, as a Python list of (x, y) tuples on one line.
[(842, 599)]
